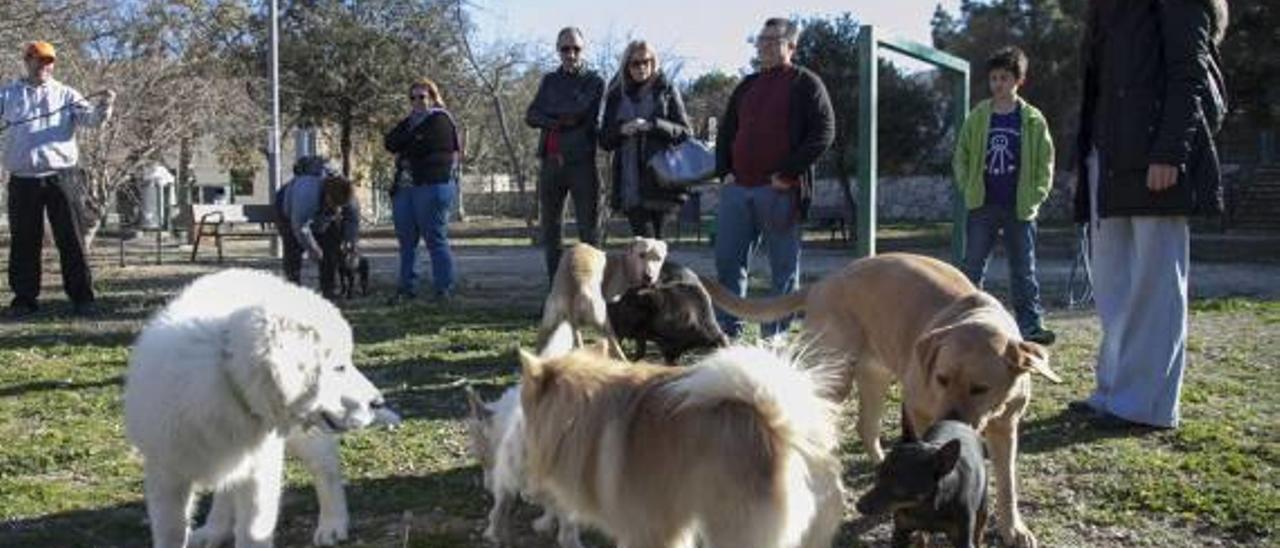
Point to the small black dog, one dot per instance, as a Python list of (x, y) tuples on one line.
[(938, 484), (678, 316), (352, 265)]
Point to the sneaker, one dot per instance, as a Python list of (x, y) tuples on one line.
[(1108, 421), (19, 310), (85, 309), (1041, 336), (1081, 407)]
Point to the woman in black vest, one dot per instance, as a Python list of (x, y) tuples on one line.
[(427, 152), (643, 115)]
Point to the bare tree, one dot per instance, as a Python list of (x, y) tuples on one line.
[(160, 59), (491, 74)]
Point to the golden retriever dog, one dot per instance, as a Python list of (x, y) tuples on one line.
[(587, 279), (737, 450), (917, 320)]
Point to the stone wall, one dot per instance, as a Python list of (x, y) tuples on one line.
[(909, 199)]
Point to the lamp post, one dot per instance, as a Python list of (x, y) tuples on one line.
[(273, 140)]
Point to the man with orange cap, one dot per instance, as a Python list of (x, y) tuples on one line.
[(38, 121)]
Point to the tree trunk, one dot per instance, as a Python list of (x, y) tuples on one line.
[(516, 166), (186, 174), (344, 141), (462, 162)]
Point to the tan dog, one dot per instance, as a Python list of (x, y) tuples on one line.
[(918, 320), (735, 451), (587, 279)]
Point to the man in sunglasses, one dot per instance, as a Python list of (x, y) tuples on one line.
[(566, 109), (40, 118)]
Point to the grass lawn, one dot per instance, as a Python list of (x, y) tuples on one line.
[(68, 477)]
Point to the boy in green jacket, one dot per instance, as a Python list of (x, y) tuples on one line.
[(1003, 165)]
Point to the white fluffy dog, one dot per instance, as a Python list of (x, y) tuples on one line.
[(496, 435), (238, 364)]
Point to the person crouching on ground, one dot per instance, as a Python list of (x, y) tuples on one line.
[(316, 212)]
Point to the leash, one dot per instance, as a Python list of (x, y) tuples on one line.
[(5, 124)]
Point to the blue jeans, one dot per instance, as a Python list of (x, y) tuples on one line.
[(745, 218), (985, 224), (422, 213)]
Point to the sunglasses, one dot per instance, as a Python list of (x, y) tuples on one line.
[(570, 49), (638, 63), (418, 96)]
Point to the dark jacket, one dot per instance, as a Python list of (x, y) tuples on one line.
[(812, 129), (430, 147), (670, 126), (1150, 68), (570, 103)]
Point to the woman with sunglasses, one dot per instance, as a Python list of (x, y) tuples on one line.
[(427, 151), (643, 115)]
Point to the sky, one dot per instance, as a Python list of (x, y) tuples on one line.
[(704, 34)]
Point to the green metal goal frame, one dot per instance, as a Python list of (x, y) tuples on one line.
[(870, 40)]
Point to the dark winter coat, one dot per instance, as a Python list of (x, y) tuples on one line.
[(429, 148), (568, 102), (1151, 74), (670, 126)]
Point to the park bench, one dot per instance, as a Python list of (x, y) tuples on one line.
[(221, 220)]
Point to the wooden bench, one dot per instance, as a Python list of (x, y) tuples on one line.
[(219, 221)]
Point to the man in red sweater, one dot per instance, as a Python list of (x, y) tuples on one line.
[(778, 123)]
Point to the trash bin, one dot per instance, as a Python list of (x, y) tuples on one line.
[(154, 197)]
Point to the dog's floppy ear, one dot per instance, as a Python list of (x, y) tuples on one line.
[(479, 411), (946, 457), (271, 360), (926, 349), (1027, 357)]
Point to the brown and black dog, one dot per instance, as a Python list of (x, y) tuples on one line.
[(919, 321), (676, 314)]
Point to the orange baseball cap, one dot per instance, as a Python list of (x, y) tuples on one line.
[(40, 49)]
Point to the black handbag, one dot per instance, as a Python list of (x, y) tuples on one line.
[(686, 164)]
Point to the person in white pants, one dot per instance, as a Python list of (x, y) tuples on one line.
[(1148, 162)]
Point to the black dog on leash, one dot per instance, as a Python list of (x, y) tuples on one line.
[(676, 314), (937, 484), (353, 266)]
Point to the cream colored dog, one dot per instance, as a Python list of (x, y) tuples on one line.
[(735, 451), (918, 320), (587, 279), (238, 366)]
